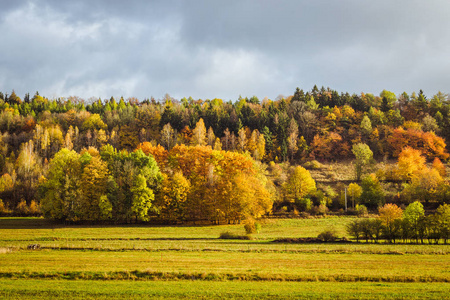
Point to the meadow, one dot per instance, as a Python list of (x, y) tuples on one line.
[(134, 261)]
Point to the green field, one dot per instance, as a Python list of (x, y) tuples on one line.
[(191, 262)]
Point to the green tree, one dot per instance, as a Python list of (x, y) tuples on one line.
[(142, 198), (442, 218), (61, 190), (364, 157), (413, 216), (366, 126), (372, 191)]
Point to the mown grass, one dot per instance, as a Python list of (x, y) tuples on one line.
[(38, 229), (63, 289), (185, 261), (269, 265)]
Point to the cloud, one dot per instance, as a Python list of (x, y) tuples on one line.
[(208, 49)]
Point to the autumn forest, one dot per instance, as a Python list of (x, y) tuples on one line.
[(174, 161)]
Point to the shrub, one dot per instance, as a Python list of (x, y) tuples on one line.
[(233, 236), (361, 210), (328, 236), (304, 204), (2, 207), (313, 165), (22, 208), (35, 209)]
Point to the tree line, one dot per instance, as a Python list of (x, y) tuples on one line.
[(285, 139), (409, 226)]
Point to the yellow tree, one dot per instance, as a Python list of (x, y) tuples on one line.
[(425, 185), (410, 161), (173, 196), (199, 134), (211, 138), (354, 192), (168, 136), (93, 187), (439, 166), (391, 216), (299, 184)]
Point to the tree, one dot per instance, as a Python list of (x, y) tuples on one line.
[(431, 145), (142, 198), (439, 166), (168, 137), (364, 157), (443, 221), (61, 189), (409, 162), (366, 126), (173, 197), (372, 191), (299, 184), (412, 216), (94, 121), (199, 134), (354, 192), (242, 139), (210, 137), (426, 185), (93, 188), (388, 99), (391, 215)]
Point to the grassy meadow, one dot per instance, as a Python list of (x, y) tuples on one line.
[(134, 261)]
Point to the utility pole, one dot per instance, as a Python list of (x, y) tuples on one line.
[(345, 199)]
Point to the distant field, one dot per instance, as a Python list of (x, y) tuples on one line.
[(190, 261)]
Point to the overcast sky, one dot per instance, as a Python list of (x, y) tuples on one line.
[(222, 49)]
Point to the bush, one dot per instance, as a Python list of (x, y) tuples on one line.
[(252, 227), (232, 236), (303, 204), (22, 208), (35, 208), (328, 236), (2, 207), (361, 210), (313, 165)]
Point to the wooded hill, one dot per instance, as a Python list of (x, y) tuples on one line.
[(78, 158)]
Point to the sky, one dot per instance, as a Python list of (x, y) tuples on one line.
[(222, 49)]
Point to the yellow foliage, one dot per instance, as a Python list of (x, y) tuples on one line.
[(410, 161), (389, 213)]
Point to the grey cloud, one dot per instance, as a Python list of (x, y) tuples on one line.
[(209, 49)]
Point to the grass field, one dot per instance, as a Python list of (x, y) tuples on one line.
[(191, 262)]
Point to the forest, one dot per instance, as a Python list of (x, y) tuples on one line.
[(186, 160)]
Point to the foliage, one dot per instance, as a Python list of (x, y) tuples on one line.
[(363, 156), (390, 216), (320, 124), (328, 236), (361, 210), (412, 217), (410, 161), (354, 192), (372, 192), (299, 184)]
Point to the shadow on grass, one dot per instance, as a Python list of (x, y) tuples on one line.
[(35, 222)]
